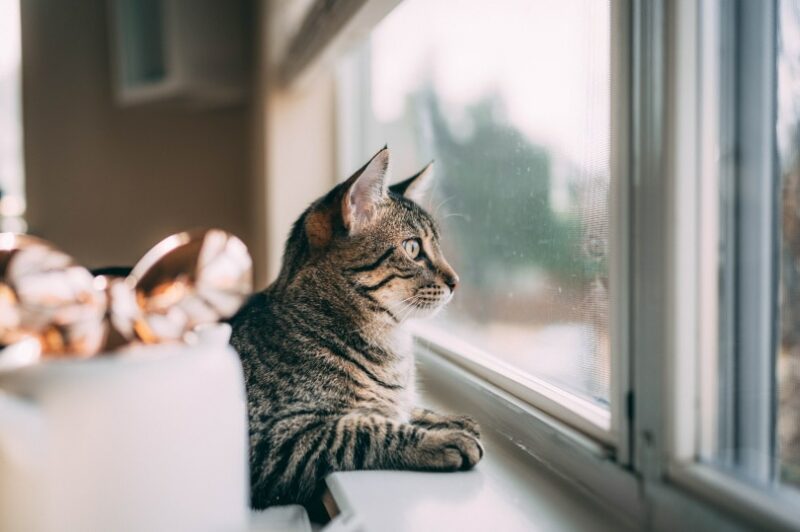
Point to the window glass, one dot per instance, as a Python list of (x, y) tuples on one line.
[(12, 203), (788, 135), (520, 136)]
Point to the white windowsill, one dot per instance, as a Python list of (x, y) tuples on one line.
[(506, 491), (538, 474)]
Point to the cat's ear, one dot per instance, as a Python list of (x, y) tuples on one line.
[(417, 186), (351, 204), (364, 191)]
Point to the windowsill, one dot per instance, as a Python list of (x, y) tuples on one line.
[(538, 473), (508, 490), (504, 492)]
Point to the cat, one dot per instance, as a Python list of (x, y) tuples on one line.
[(328, 370)]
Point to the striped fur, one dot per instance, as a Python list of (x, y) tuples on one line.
[(329, 372)]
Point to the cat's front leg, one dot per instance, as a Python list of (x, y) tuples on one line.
[(428, 419), (289, 462), (372, 441)]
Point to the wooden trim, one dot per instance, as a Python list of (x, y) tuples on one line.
[(324, 20), (328, 28)]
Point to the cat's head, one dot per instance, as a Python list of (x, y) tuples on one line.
[(378, 241)]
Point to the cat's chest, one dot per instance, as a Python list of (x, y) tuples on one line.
[(401, 370), (401, 344)]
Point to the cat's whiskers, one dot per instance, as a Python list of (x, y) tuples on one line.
[(407, 310), (441, 204), (395, 305), (451, 214), (402, 309), (394, 308), (411, 306), (400, 312)]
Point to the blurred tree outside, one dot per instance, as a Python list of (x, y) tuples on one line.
[(527, 231), (788, 132), (496, 187), (788, 373)]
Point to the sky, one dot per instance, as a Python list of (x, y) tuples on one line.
[(11, 165), (788, 77), (9, 35)]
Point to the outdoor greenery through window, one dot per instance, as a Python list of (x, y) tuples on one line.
[(520, 137), (788, 135)]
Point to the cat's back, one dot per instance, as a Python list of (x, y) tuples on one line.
[(274, 371), (251, 325), (279, 350), (266, 337)]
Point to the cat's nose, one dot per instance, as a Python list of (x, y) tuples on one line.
[(451, 281), (449, 275)]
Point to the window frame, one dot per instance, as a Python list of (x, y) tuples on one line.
[(573, 410), (709, 162), (753, 209)]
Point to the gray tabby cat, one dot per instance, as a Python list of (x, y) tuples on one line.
[(329, 374)]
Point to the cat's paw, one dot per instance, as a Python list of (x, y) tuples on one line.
[(457, 450), (433, 421), (467, 424)]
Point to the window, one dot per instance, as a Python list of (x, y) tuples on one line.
[(756, 434), (12, 198), (620, 188), (521, 140)]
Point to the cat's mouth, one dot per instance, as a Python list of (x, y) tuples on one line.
[(425, 302), (430, 298)]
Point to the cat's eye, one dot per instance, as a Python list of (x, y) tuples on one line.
[(412, 247)]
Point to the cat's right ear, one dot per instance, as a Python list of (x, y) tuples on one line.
[(364, 191), (350, 205)]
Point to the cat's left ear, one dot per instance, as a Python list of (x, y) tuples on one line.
[(364, 191), (417, 186)]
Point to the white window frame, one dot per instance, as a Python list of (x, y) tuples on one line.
[(642, 462), (706, 157)]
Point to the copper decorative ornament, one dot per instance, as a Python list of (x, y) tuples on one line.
[(186, 280), (45, 294)]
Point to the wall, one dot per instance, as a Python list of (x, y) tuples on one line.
[(106, 183), (300, 157), (297, 160)]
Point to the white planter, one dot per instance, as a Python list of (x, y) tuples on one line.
[(154, 439)]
